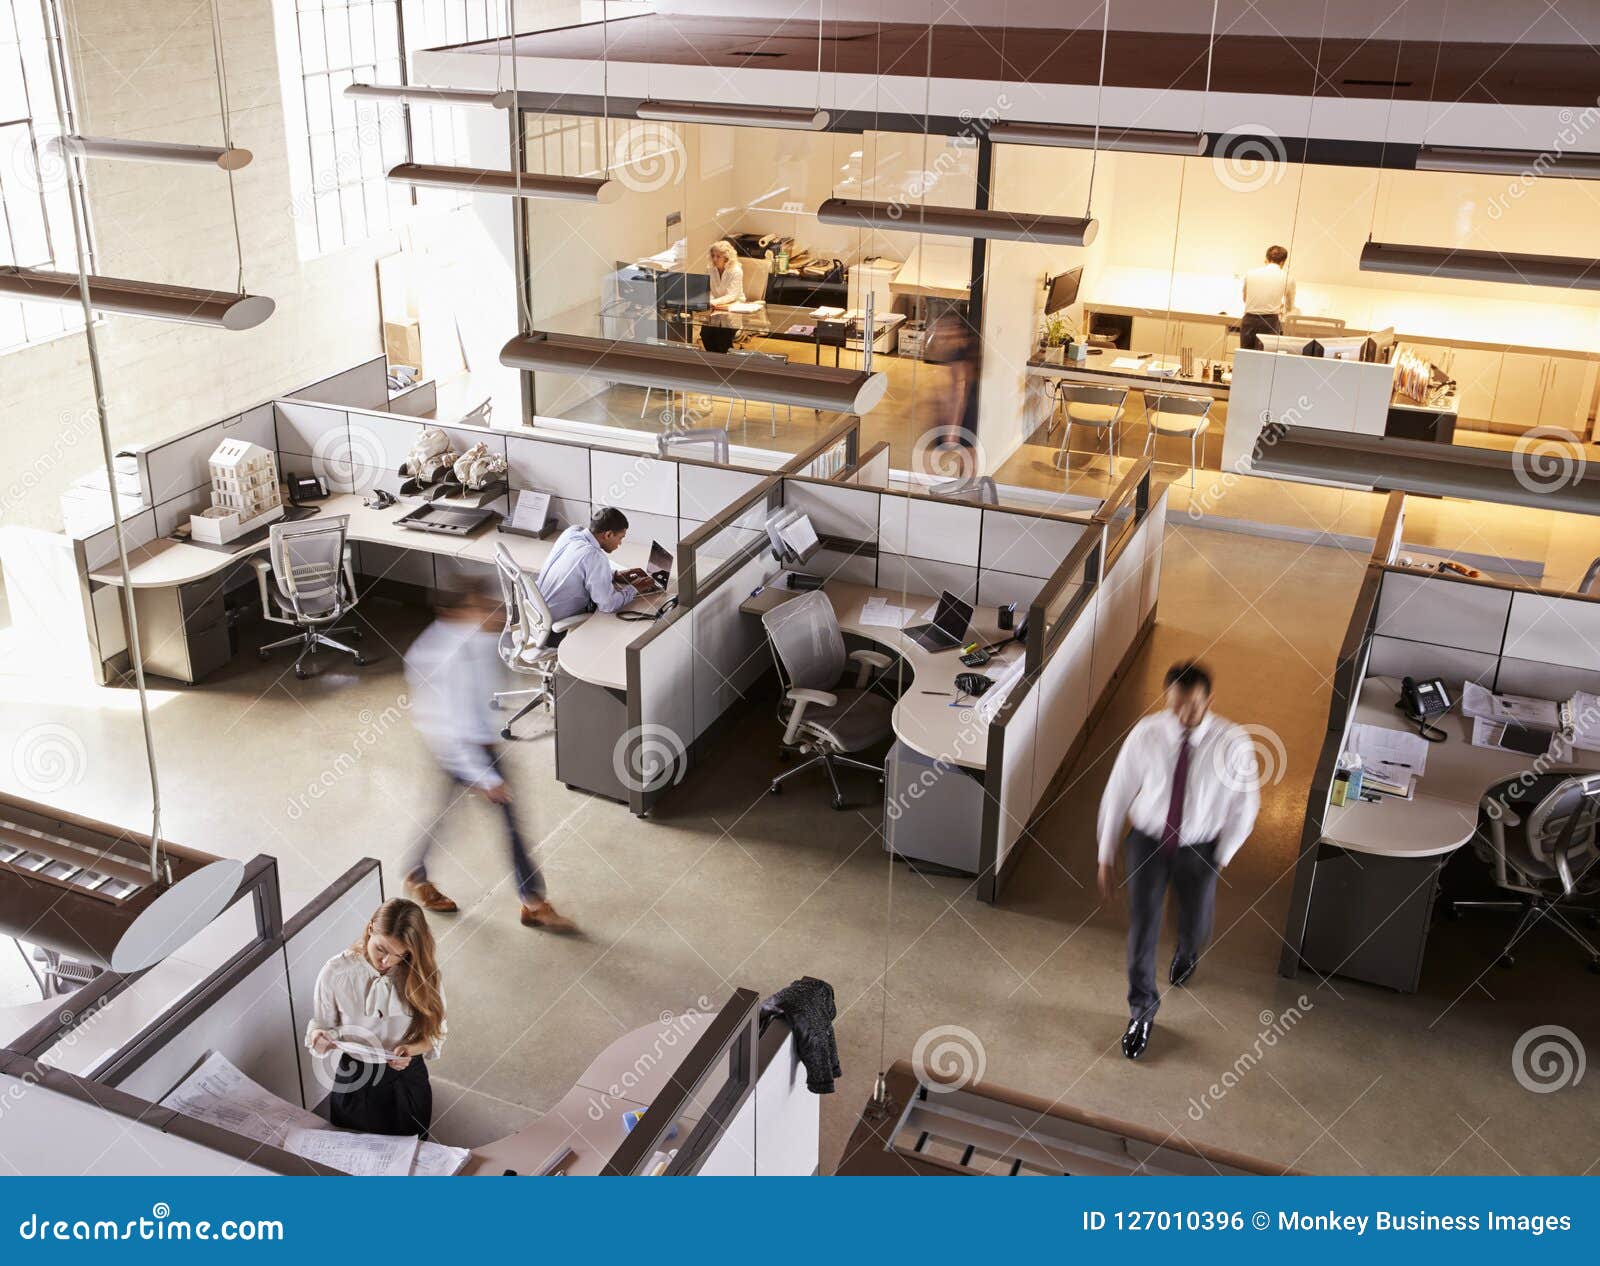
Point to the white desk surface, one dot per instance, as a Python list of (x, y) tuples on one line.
[(1443, 813), (938, 270), (924, 722)]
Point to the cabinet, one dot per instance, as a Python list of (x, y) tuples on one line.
[(184, 629), (1568, 393), (1520, 390)]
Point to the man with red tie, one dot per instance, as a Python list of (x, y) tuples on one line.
[(1186, 784)]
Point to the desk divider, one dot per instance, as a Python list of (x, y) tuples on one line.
[(871, 470)]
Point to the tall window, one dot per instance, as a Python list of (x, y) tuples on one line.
[(35, 214), (340, 149)]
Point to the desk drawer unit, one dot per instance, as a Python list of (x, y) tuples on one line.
[(933, 811), (1368, 916)]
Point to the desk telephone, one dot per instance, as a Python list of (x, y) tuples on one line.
[(1420, 700)]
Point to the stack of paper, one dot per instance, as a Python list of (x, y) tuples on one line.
[(1520, 709), (366, 1155), (1392, 756), (435, 1160), (880, 613), (217, 1092), (1582, 717)]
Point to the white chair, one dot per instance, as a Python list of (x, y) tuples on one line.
[(307, 581), (527, 643), (1097, 407), (755, 273), (1178, 416), (820, 718), (713, 437)]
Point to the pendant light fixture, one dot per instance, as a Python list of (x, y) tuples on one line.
[(424, 94), (1464, 265), (1072, 136), (731, 114), (1508, 162), (227, 158), (222, 309), (1015, 226), (824, 387), (525, 184)]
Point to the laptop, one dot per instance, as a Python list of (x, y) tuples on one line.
[(654, 576), (949, 627), (689, 292)]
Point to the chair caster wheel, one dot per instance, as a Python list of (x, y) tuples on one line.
[(837, 802), (775, 789), (355, 635), (264, 656), (362, 661), (508, 735), (494, 705), (1451, 913), (301, 672), (1506, 960)]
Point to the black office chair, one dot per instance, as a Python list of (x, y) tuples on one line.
[(1539, 835)]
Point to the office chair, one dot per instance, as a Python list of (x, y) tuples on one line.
[(979, 488), (1097, 407), (1177, 415), (60, 976), (528, 642), (1588, 585), (1539, 837), (820, 718), (313, 586), (713, 437)]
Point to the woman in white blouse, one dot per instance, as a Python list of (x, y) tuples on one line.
[(727, 276), (378, 1005)]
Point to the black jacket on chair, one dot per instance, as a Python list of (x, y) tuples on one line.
[(807, 1004)]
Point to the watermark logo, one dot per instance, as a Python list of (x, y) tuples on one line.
[(36, 160), (1275, 1026), (1249, 157), (49, 758), (339, 457), (949, 453), (1251, 757), (1547, 1059), (649, 757), (1547, 459), (648, 156), (948, 1057)]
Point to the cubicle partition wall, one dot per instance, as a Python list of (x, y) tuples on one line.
[(871, 470)]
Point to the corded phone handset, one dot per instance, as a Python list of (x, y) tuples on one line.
[(1420, 700)]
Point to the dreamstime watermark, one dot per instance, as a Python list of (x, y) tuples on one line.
[(649, 758), (340, 459), (17, 1090), (160, 1226), (675, 1029), (949, 453), (949, 161), (1249, 758), (372, 729), (49, 758), (972, 734), (1547, 1059), (37, 161), (949, 1057), (1274, 1028), (1547, 459), (1206, 499), (649, 155), (1249, 157), (1499, 805), (1574, 127), (65, 437)]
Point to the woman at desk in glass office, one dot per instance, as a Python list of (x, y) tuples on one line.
[(727, 276), (379, 1007)]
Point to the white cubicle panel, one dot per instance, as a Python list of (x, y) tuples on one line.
[(931, 529), (733, 1155), (1310, 391), (652, 755), (1401, 657), (1546, 629), (1154, 532), (996, 588), (858, 569), (311, 431), (1117, 612), (1442, 612), (705, 491), (835, 509), (1064, 698), (924, 576), (1017, 788), (562, 470), (634, 483), (729, 648), (100, 550), (788, 1118), (182, 464), (1025, 545), (363, 386)]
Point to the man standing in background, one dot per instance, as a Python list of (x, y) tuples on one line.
[(1186, 783), (1268, 298)]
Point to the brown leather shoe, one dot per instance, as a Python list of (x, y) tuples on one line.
[(546, 916), (429, 897)]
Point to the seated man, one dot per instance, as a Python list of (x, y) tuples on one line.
[(577, 576)]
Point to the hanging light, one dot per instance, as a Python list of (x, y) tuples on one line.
[(526, 185), (825, 387), (1015, 226), (184, 304), (799, 118), (424, 93), (1465, 265), (228, 158), (1071, 136), (1508, 162)]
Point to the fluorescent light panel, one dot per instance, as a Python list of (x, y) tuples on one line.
[(485, 180), (1054, 230), (1508, 162), (800, 118), (220, 308), (1072, 136), (169, 152), (836, 390), (1464, 265), (423, 93)]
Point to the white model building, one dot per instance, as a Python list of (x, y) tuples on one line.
[(244, 493)]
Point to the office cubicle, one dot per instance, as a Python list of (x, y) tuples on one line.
[(871, 470)]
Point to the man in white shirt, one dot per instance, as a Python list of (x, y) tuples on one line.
[(577, 577), (1186, 783), (1268, 298), (452, 672)]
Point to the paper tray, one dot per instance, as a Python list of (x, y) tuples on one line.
[(445, 520)]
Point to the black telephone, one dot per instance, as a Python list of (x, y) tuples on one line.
[(1420, 700), (305, 488), (973, 684)]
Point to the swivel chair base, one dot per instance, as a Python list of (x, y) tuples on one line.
[(1533, 911), (309, 639), (535, 698), (829, 761)]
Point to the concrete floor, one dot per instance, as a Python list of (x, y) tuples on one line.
[(724, 886)]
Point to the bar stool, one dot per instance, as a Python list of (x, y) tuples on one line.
[(1178, 415), (1097, 407)]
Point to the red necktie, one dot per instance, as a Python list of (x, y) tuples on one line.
[(1180, 780)]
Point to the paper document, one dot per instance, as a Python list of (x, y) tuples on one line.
[(799, 536), (880, 613), (533, 508), (1523, 709), (367, 1155), (219, 1094), (747, 305), (989, 703), (827, 312), (1583, 717), (365, 1052), (1392, 755), (435, 1160), (1129, 362)]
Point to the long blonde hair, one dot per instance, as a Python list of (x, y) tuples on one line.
[(419, 978)]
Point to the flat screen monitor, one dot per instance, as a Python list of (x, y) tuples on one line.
[(1291, 344), (1063, 290), (688, 291)]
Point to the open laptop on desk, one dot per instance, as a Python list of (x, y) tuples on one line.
[(949, 628), (654, 576)]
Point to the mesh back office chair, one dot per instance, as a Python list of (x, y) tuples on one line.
[(1097, 407), (1182, 416), (312, 586), (1540, 839), (820, 718), (528, 641), (713, 437)]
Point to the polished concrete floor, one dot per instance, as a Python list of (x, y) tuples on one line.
[(724, 886)]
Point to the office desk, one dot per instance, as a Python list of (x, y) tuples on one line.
[(933, 788), (778, 321), (1377, 866), (1096, 371)]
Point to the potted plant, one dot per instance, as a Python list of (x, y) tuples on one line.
[(1057, 338)]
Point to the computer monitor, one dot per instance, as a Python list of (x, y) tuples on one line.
[(1290, 344), (690, 292), (1347, 348), (1063, 290)]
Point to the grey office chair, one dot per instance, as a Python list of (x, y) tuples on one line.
[(1097, 407), (822, 719), (1540, 839), (528, 641), (312, 587), (1181, 416), (714, 438), (60, 976)]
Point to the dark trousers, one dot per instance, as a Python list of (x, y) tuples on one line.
[(1254, 323), (530, 880), (1192, 873), (376, 1099)]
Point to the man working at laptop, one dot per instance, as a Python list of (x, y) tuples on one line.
[(577, 576)]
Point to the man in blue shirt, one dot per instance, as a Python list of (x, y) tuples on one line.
[(577, 576)]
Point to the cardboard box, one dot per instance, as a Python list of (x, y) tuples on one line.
[(402, 343)]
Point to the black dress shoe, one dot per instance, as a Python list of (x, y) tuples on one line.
[(1182, 968), (1136, 1038)]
